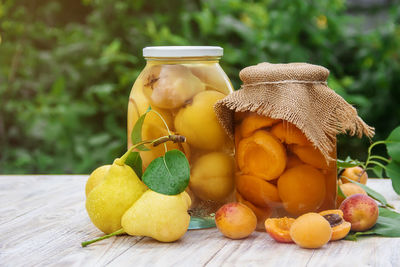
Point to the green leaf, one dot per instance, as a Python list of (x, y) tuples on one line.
[(393, 144), (347, 163), (201, 223), (136, 134), (340, 192), (393, 171), (135, 162), (378, 171), (168, 174), (372, 193), (388, 225)]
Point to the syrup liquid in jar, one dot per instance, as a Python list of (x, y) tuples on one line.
[(181, 85), (279, 172)]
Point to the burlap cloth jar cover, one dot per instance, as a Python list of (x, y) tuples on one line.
[(297, 93)]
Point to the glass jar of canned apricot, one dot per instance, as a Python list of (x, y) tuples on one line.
[(280, 172), (181, 85)]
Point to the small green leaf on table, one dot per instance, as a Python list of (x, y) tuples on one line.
[(201, 223), (135, 162), (136, 134), (388, 225), (168, 174)]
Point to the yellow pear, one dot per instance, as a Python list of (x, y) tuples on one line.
[(170, 86), (162, 217), (107, 202), (212, 176), (96, 177), (212, 76), (199, 124)]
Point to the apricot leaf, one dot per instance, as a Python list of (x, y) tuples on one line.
[(372, 193), (135, 162), (348, 162), (393, 171), (136, 134), (201, 223), (378, 171), (168, 174), (388, 225), (393, 144), (340, 192)]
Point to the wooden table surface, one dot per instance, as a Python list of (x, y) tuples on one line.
[(43, 220)]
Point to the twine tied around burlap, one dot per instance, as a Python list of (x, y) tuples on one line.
[(297, 93)]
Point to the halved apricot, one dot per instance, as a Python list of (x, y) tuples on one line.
[(288, 133), (310, 155), (261, 155), (292, 161), (262, 213), (254, 122), (340, 228), (279, 229), (301, 189), (257, 190)]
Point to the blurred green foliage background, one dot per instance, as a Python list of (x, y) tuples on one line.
[(67, 67)]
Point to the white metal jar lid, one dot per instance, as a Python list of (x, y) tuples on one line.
[(183, 51)]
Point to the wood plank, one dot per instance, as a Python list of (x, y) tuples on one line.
[(43, 220)]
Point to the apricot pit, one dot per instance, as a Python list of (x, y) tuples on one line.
[(340, 228)]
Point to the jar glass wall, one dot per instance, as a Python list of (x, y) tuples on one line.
[(183, 90), (280, 173)]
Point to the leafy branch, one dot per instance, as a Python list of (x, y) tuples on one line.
[(377, 163)]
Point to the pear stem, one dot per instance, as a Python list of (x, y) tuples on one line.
[(118, 232), (155, 142)]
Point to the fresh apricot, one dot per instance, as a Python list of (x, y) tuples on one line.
[(340, 228), (310, 155), (301, 189), (361, 211), (279, 229), (199, 124), (257, 190), (212, 176), (235, 220), (311, 230), (262, 155), (349, 189), (262, 213), (356, 173), (254, 122), (288, 133)]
